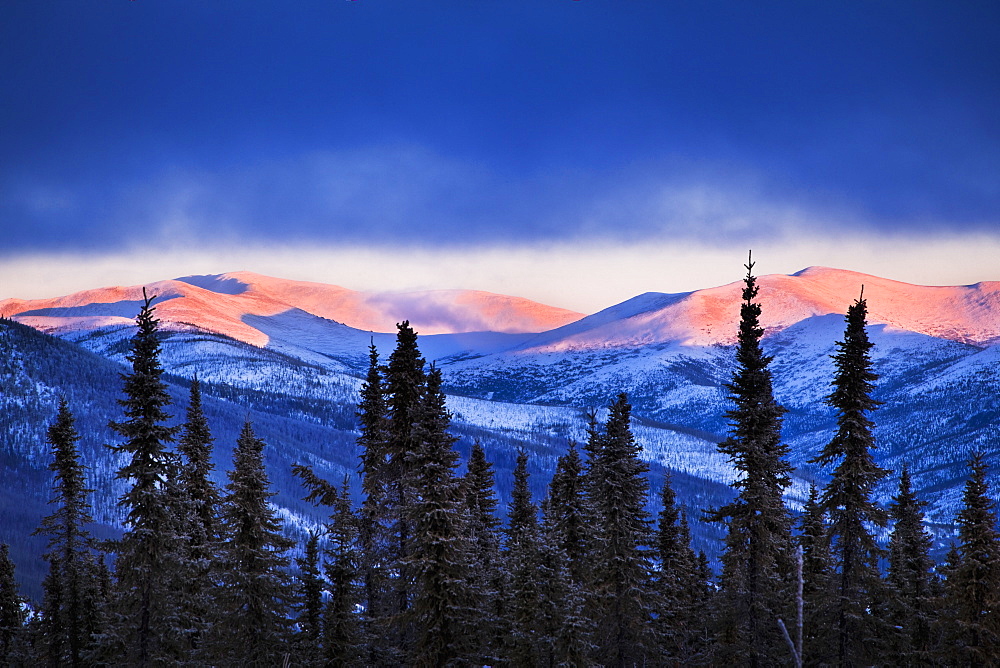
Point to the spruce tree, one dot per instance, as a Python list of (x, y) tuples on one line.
[(974, 584), (309, 596), (376, 525), (819, 637), (521, 559), (71, 605), (757, 562), (439, 551), (563, 631), (200, 501), (255, 596), (702, 592), (848, 496), (12, 612), (675, 583), (910, 578), (145, 627), (344, 635), (945, 627), (344, 639), (404, 385), (484, 535), (570, 513), (621, 575)]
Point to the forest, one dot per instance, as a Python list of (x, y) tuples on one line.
[(427, 571)]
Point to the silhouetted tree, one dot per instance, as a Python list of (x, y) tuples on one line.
[(145, 626), (621, 572), (974, 584), (521, 557), (309, 598), (72, 601), (676, 584), (377, 544), (439, 551), (200, 500), (12, 612), (910, 578), (255, 597), (484, 535), (848, 496), (819, 623), (404, 385), (757, 562), (345, 639)]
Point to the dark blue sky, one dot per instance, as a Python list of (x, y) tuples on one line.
[(479, 122)]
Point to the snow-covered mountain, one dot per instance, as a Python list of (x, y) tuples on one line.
[(521, 374)]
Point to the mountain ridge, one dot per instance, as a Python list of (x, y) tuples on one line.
[(223, 303)]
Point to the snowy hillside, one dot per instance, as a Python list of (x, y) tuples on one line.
[(519, 372)]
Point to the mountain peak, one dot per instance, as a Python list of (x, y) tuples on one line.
[(226, 303)]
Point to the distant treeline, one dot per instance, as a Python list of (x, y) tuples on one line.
[(421, 571)]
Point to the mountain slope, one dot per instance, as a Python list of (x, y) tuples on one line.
[(223, 304), (287, 350), (970, 314)]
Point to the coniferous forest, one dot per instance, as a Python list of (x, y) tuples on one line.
[(429, 570)]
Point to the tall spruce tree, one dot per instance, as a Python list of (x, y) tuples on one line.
[(376, 525), (848, 496), (757, 562), (910, 578), (12, 611), (255, 595), (484, 535), (439, 552), (72, 601), (145, 626), (404, 385), (973, 587), (621, 575)]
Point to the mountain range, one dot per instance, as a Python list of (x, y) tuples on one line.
[(519, 374)]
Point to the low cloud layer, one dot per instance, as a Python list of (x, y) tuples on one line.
[(417, 198)]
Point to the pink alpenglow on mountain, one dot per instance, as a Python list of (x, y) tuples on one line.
[(969, 314), (225, 304)]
